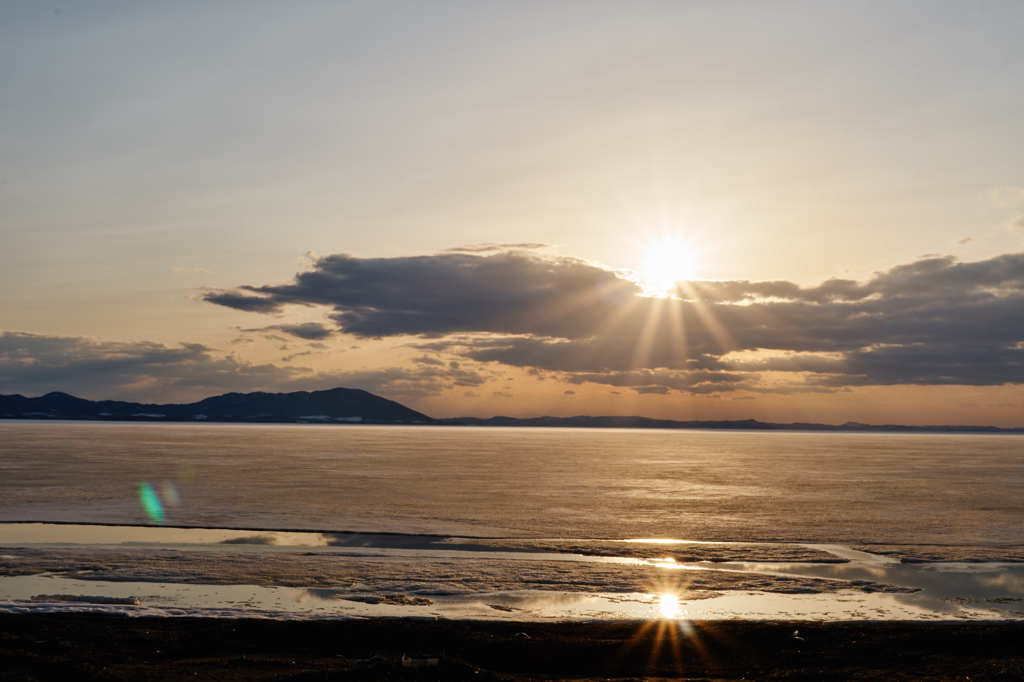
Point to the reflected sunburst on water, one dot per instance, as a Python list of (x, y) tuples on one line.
[(669, 633), (668, 603)]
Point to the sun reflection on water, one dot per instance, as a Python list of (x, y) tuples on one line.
[(668, 604), (671, 637), (669, 634)]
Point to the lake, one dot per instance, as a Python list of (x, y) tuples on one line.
[(706, 485), (485, 522)]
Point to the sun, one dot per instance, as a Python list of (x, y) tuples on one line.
[(668, 604), (667, 260)]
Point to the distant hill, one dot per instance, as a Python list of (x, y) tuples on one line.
[(337, 405), (584, 421)]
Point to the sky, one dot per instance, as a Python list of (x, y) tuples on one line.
[(789, 211)]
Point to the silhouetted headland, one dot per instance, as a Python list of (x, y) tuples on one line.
[(337, 405)]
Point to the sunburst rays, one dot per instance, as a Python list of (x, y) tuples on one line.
[(615, 326), (672, 637)]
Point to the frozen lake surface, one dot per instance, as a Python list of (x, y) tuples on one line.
[(327, 521), (219, 572)]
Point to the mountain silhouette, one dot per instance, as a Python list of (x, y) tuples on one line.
[(337, 405)]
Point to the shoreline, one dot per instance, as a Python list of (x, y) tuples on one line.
[(596, 423), (112, 647), (203, 573)]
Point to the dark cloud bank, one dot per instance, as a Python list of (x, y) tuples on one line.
[(933, 321)]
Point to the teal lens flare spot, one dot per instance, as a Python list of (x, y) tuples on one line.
[(151, 503)]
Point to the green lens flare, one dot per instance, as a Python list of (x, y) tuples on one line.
[(151, 503)]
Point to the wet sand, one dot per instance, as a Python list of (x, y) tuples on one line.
[(110, 647)]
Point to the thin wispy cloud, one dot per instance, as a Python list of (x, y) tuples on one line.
[(491, 247), (310, 331)]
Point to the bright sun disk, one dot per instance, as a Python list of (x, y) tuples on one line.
[(668, 604), (667, 260)]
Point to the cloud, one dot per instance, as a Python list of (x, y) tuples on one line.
[(310, 331), (656, 390), (511, 292), (34, 364), (616, 350), (932, 321), (935, 363), (644, 380), (407, 383), (239, 301), (428, 360), (486, 247)]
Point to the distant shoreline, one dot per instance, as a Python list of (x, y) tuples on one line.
[(354, 406), (566, 423)]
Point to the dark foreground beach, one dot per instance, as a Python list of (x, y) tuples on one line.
[(102, 647)]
